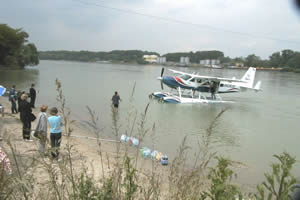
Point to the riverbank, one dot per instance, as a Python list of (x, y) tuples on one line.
[(88, 156)]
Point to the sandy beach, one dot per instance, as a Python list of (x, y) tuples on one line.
[(83, 141), (86, 157)]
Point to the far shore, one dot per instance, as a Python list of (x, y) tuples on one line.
[(168, 64)]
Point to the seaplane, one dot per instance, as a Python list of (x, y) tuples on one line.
[(194, 83)]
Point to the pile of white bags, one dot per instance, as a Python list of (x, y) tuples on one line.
[(130, 140)]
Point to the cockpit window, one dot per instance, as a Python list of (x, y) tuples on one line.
[(185, 77)]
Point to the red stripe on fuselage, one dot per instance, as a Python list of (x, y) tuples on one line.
[(179, 80)]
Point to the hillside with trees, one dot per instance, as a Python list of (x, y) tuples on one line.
[(15, 50), (126, 56), (287, 59)]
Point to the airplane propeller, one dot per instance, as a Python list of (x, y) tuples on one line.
[(162, 72), (161, 76)]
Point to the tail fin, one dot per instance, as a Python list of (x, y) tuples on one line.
[(249, 77), (257, 86)]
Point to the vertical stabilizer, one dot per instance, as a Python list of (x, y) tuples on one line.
[(249, 77)]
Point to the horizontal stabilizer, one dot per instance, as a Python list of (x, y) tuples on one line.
[(257, 86)]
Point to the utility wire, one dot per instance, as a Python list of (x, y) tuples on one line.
[(185, 22)]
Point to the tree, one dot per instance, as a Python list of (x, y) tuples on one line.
[(221, 188), (253, 60), (280, 182), (13, 48), (275, 59), (294, 62), (286, 55)]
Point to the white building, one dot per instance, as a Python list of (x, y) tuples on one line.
[(161, 60), (210, 62), (184, 60), (150, 58), (205, 62), (215, 61)]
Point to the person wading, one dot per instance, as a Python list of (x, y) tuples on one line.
[(116, 100)]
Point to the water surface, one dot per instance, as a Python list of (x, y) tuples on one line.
[(254, 128)]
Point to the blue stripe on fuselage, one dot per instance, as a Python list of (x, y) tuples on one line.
[(172, 83)]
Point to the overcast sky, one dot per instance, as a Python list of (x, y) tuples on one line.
[(236, 27)]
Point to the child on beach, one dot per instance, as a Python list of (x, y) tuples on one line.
[(41, 127), (55, 123)]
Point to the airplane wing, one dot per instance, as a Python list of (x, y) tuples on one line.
[(178, 72), (213, 78)]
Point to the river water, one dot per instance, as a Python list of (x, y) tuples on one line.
[(255, 127)]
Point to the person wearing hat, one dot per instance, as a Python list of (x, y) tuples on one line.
[(41, 128), (25, 116), (55, 123)]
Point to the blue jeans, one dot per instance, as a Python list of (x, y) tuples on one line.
[(55, 139)]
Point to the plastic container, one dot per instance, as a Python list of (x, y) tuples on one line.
[(146, 152), (153, 154), (135, 142), (123, 138), (158, 156), (164, 160)]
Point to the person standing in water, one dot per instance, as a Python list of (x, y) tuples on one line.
[(116, 100)]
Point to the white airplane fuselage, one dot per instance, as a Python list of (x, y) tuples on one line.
[(192, 82), (175, 82)]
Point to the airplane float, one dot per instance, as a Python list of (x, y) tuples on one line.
[(193, 83)]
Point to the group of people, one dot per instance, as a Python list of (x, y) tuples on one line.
[(27, 117), (54, 121), (15, 97)]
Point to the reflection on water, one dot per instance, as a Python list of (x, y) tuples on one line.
[(254, 128), (21, 78)]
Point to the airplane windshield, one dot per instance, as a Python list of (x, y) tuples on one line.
[(185, 77)]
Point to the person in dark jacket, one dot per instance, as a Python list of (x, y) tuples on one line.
[(25, 116), (116, 100), (19, 94), (12, 99), (32, 94)]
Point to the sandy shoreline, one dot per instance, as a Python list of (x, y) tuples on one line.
[(83, 141)]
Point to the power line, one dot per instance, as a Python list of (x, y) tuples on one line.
[(185, 22)]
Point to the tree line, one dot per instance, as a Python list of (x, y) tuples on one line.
[(126, 56), (287, 59), (15, 50)]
